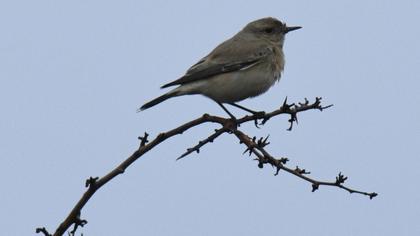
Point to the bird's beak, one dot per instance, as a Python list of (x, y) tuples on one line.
[(291, 28)]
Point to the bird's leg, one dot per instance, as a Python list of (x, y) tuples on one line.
[(257, 114), (247, 109), (227, 111)]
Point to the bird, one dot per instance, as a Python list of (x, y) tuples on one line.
[(244, 66)]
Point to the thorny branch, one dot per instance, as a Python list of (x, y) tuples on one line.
[(263, 157), (253, 145), (201, 143)]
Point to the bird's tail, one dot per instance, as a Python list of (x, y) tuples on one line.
[(158, 100)]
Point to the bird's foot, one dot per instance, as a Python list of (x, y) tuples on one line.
[(258, 115)]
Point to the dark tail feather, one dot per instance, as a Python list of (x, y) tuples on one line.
[(156, 101)]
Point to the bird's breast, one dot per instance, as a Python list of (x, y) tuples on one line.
[(278, 62)]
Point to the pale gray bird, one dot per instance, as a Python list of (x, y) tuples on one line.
[(244, 66)]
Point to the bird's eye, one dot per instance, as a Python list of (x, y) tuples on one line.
[(268, 30)]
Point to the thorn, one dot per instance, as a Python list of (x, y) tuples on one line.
[(42, 230), (77, 222), (248, 149), (277, 170), (293, 118), (305, 103), (372, 195), (340, 179), (326, 107), (266, 138), (285, 102), (143, 139), (315, 187), (279, 164), (263, 142), (301, 171), (91, 181)]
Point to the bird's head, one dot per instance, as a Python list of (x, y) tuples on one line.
[(269, 28)]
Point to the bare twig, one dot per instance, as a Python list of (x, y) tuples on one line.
[(43, 230), (265, 158), (201, 143), (228, 126), (293, 110)]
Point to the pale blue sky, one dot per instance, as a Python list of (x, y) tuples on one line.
[(74, 72)]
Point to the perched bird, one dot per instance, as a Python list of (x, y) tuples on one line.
[(244, 66)]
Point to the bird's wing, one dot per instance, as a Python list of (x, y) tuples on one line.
[(232, 55)]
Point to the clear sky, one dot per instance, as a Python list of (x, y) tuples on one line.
[(73, 73)]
